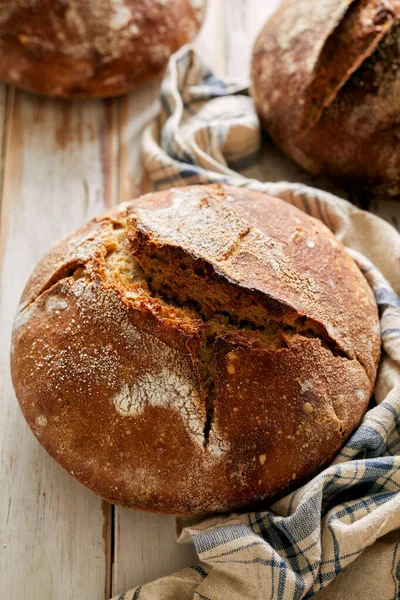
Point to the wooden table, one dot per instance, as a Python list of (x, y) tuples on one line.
[(61, 163)]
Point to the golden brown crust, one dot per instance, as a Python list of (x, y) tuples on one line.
[(324, 80), (91, 48), (105, 359)]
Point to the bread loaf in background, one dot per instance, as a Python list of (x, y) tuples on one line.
[(91, 48), (195, 350), (326, 84)]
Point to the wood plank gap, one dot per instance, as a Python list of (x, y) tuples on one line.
[(59, 160), (112, 548), (108, 545)]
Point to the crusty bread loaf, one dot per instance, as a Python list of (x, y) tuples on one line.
[(195, 350), (91, 47), (325, 80)]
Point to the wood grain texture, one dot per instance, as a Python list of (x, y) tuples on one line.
[(244, 20), (145, 549), (56, 175), (211, 41), (136, 111)]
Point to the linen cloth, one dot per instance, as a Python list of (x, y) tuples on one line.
[(206, 131)]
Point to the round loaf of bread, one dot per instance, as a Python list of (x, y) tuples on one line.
[(92, 47), (196, 350), (325, 80)]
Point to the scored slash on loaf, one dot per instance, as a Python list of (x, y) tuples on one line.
[(195, 350)]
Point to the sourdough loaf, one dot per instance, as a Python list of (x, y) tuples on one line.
[(325, 80), (195, 350), (90, 48)]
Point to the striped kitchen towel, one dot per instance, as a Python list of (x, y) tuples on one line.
[(347, 517)]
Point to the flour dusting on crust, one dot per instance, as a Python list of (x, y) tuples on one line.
[(121, 16), (24, 317), (166, 389)]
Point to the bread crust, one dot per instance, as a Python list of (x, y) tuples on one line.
[(88, 48), (108, 375), (324, 80)]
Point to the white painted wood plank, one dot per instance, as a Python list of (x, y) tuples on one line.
[(54, 532), (136, 111), (211, 41), (244, 19), (145, 549)]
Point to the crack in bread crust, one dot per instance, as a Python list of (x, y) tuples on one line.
[(74, 270), (353, 40), (123, 264), (144, 270)]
